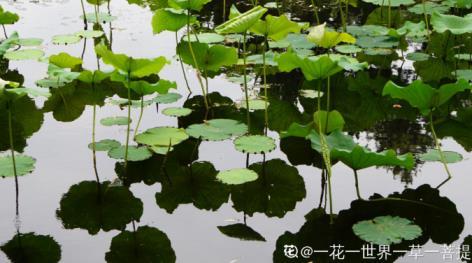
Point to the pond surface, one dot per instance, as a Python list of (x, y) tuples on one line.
[(158, 198)]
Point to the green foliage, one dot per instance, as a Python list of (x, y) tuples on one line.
[(195, 5), (329, 121), (242, 22), (275, 28), (177, 112), (237, 176), (8, 18), (162, 136), (24, 54), (254, 144), (24, 165), (168, 19), (387, 230), (455, 24), (64, 60), (104, 145), (135, 153), (112, 121), (391, 2), (434, 155), (217, 129), (317, 67), (29, 247), (241, 231), (325, 38)]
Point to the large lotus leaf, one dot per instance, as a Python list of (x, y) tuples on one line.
[(195, 5), (328, 122), (275, 27), (137, 68), (115, 121), (67, 103), (195, 185), (24, 165), (29, 247), (65, 39), (8, 18), (57, 77), (297, 130), (146, 244), (386, 230), (162, 136), (168, 19), (94, 207), (367, 30), (335, 140), (317, 67), (422, 96), (276, 191), (90, 77), (295, 41), (24, 54), (242, 22), (241, 231), (394, 3), (64, 60), (208, 58), (167, 98), (177, 112), (413, 30), (254, 144), (377, 41), (135, 153), (325, 38), (429, 8), (217, 129), (237, 176), (459, 3), (434, 155), (360, 158), (456, 24)]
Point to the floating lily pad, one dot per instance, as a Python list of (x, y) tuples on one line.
[(24, 165), (102, 17), (387, 230), (89, 33), (65, 39), (29, 42), (177, 112), (162, 136), (254, 144), (161, 149), (135, 153), (237, 176), (418, 56), (217, 129), (434, 155), (105, 145), (348, 49), (394, 3), (167, 98), (115, 121), (254, 104), (24, 54)]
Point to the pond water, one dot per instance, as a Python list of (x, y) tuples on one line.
[(57, 199)]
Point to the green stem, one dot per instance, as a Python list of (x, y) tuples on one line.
[(426, 18), (341, 12), (94, 151), (5, 31), (315, 10), (84, 14), (389, 14), (266, 98), (141, 111), (182, 63), (246, 94), (439, 149), (356, 177), (12, 145), (128, 127), (224, 10)]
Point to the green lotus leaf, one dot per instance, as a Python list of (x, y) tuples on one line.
[(57, 77), (329, 121), (162, 136), (65, 39), (459, 3), (276, 191), (89, 33), (207, 38), (163, 150), (237, 176), (465, 74), (377, 41), (295, 41), (317, 67), (257, 59), (169, 19), (325, 38), (209, 58), (466, 57), (335, 140), (429, 8), (424, 97), (30, 247), (348, 63), (64, 60), (9, 43), (24, 54), (254, 144), (115, 121), (386, 230), (195, 184), (177, 112), (146, 243), (367, 30), (138, 68), (413, 30), (102, 17), (360, 158), (217, 129), (195, 5), (254, 104), (24, 165), (434, 155), (456, 24), (241, 231), (167, 98), (8, 18), (104, 145), (32, 92), (275, 27), (143, 87), (135, 154), (297, 130), (242, 22), (93, 207), (417, 56), (310, 94), (393, 3), (348, 49), (90, 77), (29, 42), (66, 102)]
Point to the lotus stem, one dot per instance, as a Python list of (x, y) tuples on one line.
[(439, 149), (315, 10), (341, 13), (356, 177), (141, 111), (246, 95), (182, 64), (266, 98), (128, 127), (5, 31), (224, 10), (84, 14), (199, 77), (12, 150), (426, 18), (389, 14)]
